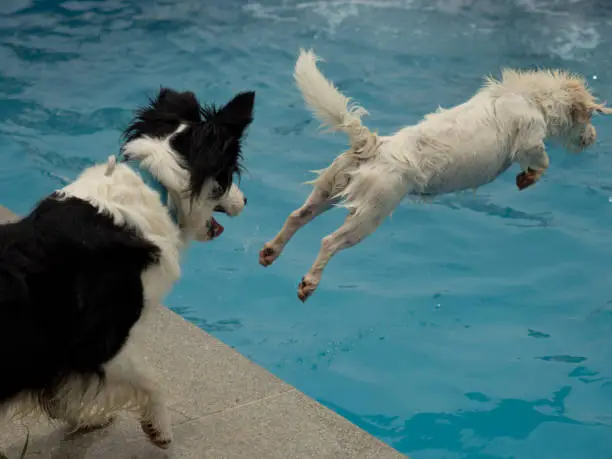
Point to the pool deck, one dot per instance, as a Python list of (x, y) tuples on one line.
[(222, 406)]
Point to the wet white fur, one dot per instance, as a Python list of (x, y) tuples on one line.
[(464, 147)]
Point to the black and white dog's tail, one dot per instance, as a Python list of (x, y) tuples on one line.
[(332, 107)]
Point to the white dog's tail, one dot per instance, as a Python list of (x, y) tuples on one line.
[(330, 105)]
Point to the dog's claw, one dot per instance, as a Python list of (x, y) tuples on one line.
[(156, 436), (527, 178), (305, 289), (267, 255)]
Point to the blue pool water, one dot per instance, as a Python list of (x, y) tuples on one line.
[(478, 326)]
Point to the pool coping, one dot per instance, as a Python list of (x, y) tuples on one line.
[(222, 405)]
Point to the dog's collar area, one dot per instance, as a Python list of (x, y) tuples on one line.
[(152, 182)]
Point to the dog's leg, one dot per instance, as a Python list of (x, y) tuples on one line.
[(354, 229), (155, 420), (91, 426), (89, 403), (129, 387), (534, 162), (317, 203), (370, 202), (71, 402)]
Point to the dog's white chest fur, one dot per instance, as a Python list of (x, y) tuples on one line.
[(128, 200), (462, 148)]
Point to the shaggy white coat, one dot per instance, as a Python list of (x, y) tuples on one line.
[(464, 147)]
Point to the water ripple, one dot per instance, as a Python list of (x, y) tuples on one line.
[(476, 326)]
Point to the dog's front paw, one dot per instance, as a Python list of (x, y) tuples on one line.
[(307, 287), (160, 437), (267, 255), (527, 178)]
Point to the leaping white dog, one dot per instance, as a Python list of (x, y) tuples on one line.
[(464, 147)]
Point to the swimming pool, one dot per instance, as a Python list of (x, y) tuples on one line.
[(474, 327)]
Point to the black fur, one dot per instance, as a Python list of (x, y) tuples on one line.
[(70, 278), (211, 143), (70, 291)]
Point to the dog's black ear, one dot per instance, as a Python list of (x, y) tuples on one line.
[(163, 114), (213, 154), (165, 93), (215, 144), (183, 106), (237, 114)]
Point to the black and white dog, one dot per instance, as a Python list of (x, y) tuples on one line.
[(79, 272)]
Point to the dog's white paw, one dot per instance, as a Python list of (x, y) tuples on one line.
[(268, 254), (158, 435), (307, 287)]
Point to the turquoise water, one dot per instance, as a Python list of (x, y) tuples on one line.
[(478, 326)]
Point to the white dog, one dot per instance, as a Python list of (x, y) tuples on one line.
[(464, 147)]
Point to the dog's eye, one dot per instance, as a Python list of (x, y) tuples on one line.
[(216, 192)]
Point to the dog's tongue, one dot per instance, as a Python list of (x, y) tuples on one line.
[(216, 228)]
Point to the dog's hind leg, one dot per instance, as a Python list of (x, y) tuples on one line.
[(355, 228), (89, 403), (128, 387), (330, 182), (369, 202), (70, 400), (317, 203)]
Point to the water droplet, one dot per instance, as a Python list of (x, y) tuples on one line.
[(594, 77)]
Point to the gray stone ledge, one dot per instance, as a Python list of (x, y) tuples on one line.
[(223, 406)]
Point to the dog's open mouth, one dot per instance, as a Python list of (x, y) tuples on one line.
[(215, 228), (220, 209)]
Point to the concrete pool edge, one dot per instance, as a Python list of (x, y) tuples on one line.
[(222, 406)]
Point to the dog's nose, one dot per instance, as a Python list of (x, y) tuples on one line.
[(245, 200)]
